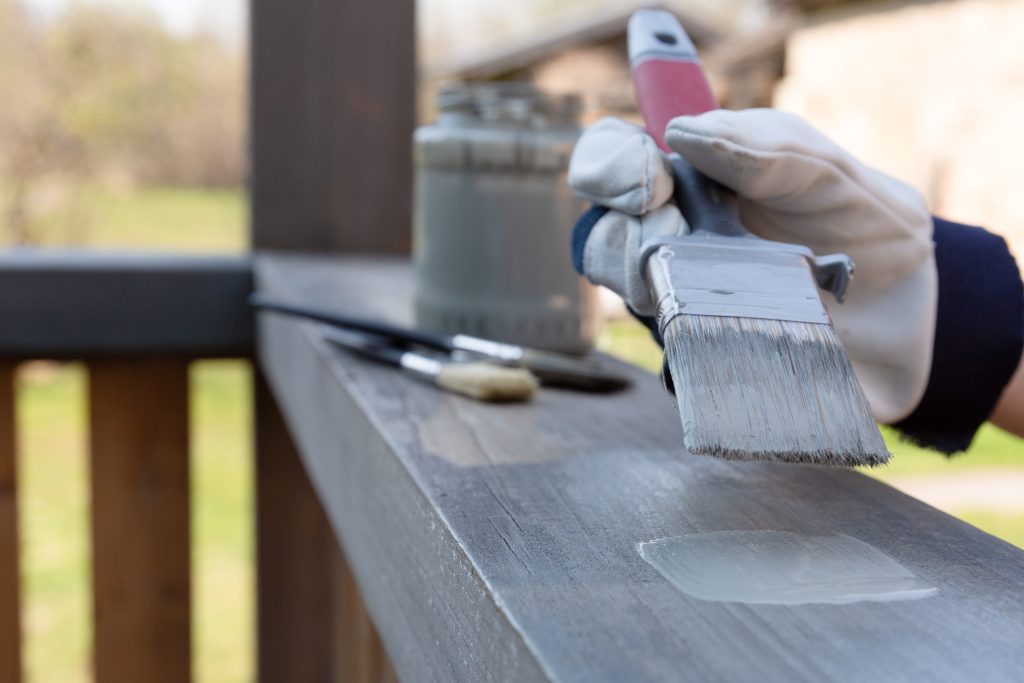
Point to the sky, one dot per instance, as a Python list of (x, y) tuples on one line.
[(225, 18), (473, 21), (228, 17)]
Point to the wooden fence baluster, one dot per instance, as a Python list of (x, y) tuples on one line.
[(312, 623), (293, 557), (10, 603), (359, 655), (140, 520)]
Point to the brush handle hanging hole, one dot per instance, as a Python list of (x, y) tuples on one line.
[(666, 38)]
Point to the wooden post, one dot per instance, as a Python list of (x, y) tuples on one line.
[(140, 519), (332, 115), (10, 601)]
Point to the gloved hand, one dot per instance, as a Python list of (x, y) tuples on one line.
[(795, 185)]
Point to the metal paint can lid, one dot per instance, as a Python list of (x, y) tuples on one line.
[(520, 105)]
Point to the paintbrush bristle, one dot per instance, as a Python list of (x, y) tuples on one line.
[(487, 381), (754, 389)]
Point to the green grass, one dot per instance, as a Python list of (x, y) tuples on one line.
[(54, 496), (174, 219), (170, 218), (222, 522), (993, 450)]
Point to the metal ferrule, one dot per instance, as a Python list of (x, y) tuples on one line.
[(732, 277), (424, 366), (508, 353), (656, 34)]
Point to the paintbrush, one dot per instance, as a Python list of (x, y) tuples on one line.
[(758, 371), (552, 369), (476, 379)]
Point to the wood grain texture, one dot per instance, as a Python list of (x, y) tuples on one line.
[(74, 304), (10, 599), (140, 520), (499, 542), (332, 114)]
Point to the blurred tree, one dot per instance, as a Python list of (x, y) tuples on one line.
[(105, 95)]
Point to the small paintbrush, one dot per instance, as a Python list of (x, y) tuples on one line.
[(476, 379), (552, 369), (758, 371)]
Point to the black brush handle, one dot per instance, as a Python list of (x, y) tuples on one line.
[(368, 346), (708, 207), (401, 336)]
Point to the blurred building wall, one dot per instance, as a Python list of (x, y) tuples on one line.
[(930, 92)]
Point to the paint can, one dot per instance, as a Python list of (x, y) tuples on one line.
[(493, 219)]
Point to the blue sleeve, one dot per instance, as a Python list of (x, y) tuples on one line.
[(979, 336), (580, 234)]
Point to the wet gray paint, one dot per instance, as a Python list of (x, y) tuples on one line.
[(781, 568)]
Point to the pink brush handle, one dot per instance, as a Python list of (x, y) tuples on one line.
[(665, 90), (667, 75), (669, 83)]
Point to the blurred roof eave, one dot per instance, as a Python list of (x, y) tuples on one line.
[(572, 28)]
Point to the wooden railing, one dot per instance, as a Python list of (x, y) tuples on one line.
[(332, 110), (138, 321), (482, 542)]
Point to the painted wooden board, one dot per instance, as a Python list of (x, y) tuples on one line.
[(501, 542), (78, 303)]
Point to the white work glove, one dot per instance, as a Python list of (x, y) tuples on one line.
[(795, 185)]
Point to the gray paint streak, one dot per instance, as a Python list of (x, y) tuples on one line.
[(499, 542), (781, 568)]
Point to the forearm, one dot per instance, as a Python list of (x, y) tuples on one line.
[(1009, 412)]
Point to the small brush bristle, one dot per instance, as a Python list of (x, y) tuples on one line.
[(753, 389), (488, 382)]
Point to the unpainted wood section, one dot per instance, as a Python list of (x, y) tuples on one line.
[(140, 520), (500, 542), (10, 599), (332, 114)]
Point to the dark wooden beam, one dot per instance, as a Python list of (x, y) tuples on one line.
[(333, 109), (332, 114), (75, 304)]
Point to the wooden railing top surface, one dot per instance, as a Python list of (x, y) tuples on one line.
[(500, 542)]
